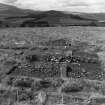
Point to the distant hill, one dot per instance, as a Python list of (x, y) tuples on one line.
[(9, 11), (11, 16), (97, 16), (55, 18)]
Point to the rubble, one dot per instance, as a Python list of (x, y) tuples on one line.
[(52, 74)]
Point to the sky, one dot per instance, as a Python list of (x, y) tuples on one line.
[(63, 5)]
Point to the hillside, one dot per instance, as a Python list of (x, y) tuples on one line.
[(11, 11), (55, 18), (97, 16), (11, 16)]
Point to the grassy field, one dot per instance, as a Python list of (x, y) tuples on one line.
[(51, 66), (81, 33)]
